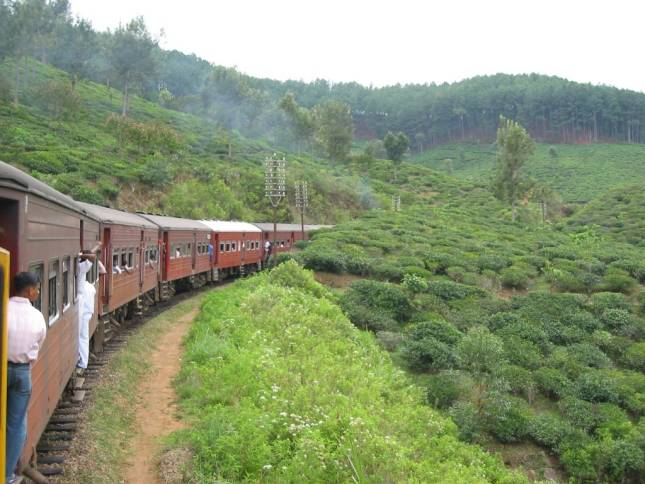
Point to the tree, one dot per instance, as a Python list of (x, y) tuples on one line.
[(132, 55), (334, 128), (514, 146), (302, 120), (396, 145)]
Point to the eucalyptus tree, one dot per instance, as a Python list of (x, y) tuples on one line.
[(132, 54), (514, 146)]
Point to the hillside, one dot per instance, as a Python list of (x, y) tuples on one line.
[(578, 173), (156, 160)]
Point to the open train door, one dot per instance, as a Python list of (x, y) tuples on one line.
[(4, 302)]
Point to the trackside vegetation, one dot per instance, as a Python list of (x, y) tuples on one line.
[(278, 386)]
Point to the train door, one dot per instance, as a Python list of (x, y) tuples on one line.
[(9, 228), (5, 269), (243, 248)]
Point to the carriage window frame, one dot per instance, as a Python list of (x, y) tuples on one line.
[(38, 268), (65, 283), (53, 278)]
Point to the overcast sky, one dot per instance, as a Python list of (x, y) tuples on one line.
[(398, 41)]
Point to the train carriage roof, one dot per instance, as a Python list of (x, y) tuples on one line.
[(13, 178), (268, 227), (224, 226), (118, 217), (174, 223)]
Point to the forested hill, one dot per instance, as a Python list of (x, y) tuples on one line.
[(129, 58)]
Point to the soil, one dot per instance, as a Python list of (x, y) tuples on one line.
[(156, 407)]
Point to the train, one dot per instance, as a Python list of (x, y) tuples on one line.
[(147, 259)]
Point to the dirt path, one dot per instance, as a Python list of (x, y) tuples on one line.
[(156, 407)]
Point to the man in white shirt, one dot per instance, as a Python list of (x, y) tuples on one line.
[(86, 301), (26, 334)]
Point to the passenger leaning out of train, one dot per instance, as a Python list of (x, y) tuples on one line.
[(26, 334), (86, 302)]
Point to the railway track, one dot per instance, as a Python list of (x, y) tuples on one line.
[(54, 445)]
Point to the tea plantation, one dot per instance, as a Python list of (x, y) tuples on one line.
[(525, 333)]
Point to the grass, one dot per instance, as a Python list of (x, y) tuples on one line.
[(99, 452)]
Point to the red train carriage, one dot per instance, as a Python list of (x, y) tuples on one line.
[(130, 255), (44, 231), (237, 246), (285, 236), (185, 257)]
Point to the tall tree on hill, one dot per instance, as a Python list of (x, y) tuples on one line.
[(132, 54), (514, 146), (396, 145), (302, 121), (334, 128)]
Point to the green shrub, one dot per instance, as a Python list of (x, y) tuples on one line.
[(583, 320), (446, 387), (387, 272), (589, 355), (492, 262), (618, 282), (578, 412), (414, 283), (519, 380), (506, 417), (553, 382), (500, 320), (449, 290), (386, 298), (456, 273), (467, 418), (514, 277), (608, 300), (522, 352), (613, 420), (618, 321), (548, 430), (429, 345), (635, 356), (580, 462), (596, 386), (325, 259), (480, 351), (301, 244)]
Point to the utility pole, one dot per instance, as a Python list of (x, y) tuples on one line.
[(275, 185), (302, 202)]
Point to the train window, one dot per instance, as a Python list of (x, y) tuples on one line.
[(153, 255), (189, 251), (115, 263), (124, 260), (228, 247), (146, 256), (233, 246), (65, 283), (38, 269), (130, 259), (52, 287), (221, 247)]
